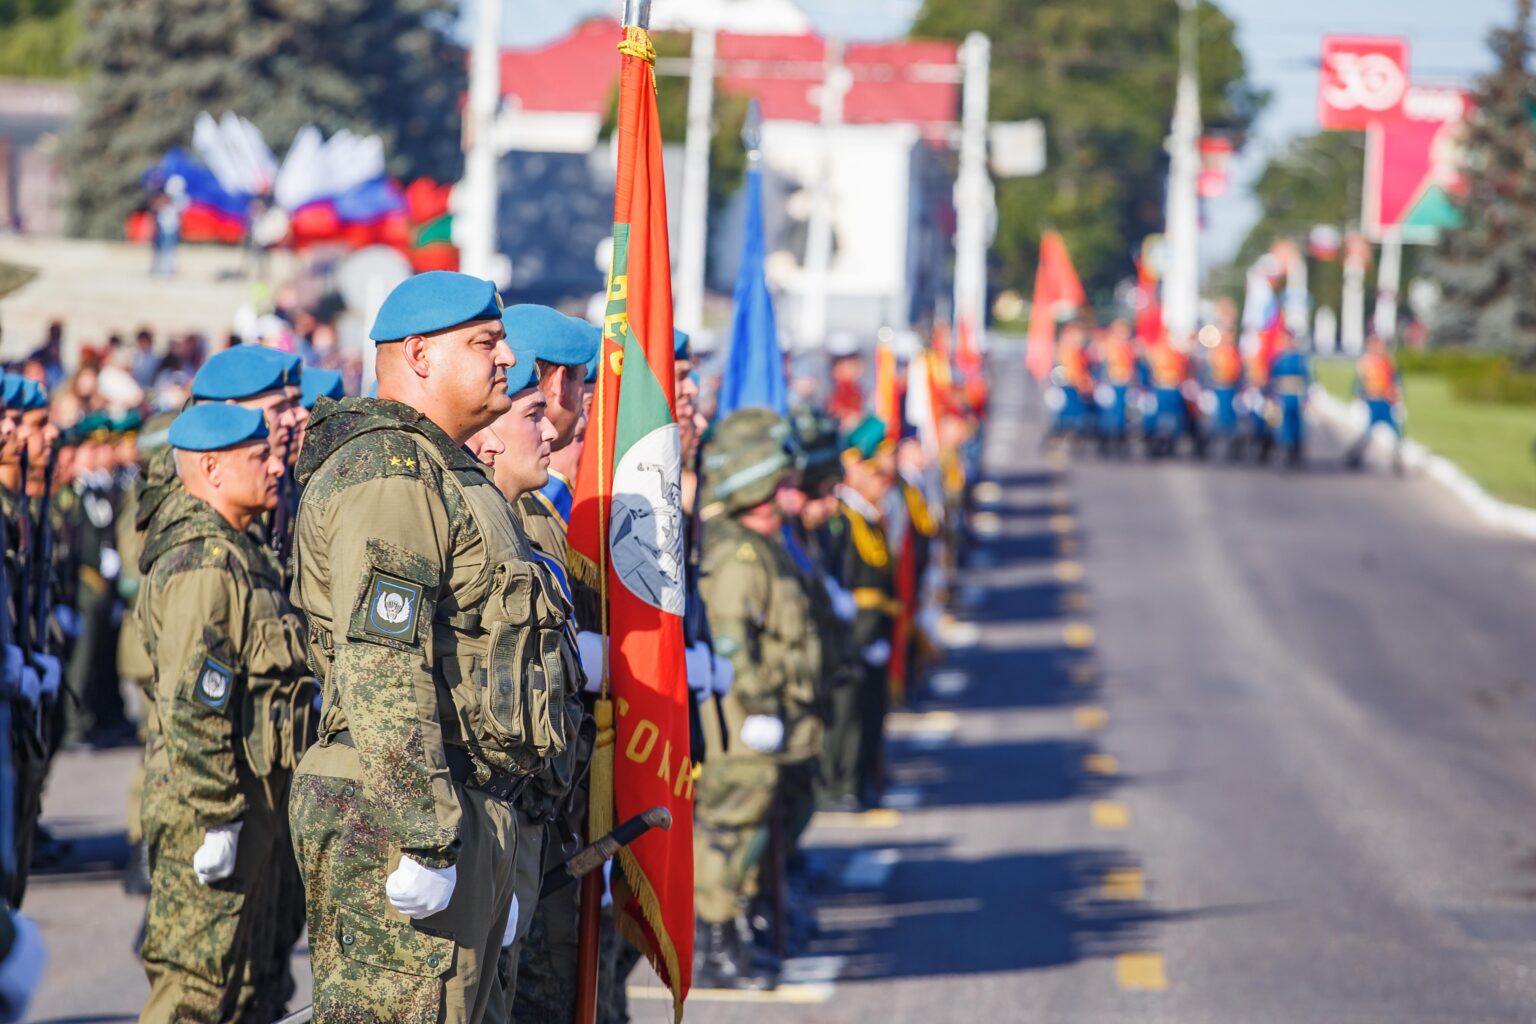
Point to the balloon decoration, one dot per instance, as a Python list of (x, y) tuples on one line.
[(325, 192)]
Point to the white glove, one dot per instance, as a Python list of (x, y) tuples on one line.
[(214, 861), (14, 662), (878, 654), (763, 733), (700, 662), (418, 891), (111, 564), (509, 933), (589, 648), (725, 675), (22, 969), (51, 671), (843, 604)]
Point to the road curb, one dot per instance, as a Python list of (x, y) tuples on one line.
[(1349, 419)]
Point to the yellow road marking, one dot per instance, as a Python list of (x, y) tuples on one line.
[(1090, 718), (987, 492), (1066, 547), (800, 995), (879, 817), (1077, 635), (1069, 571), (1141, 972), (1063, 524), (1082, 675), (1061, 497), (1122, 884), (1111, 815), (1101, 764)]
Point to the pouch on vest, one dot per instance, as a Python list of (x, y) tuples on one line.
[(527, 677)]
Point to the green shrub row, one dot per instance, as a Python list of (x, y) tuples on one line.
[(1474, 375)]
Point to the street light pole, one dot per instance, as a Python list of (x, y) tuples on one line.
[(475, 223), (691, 261), (974, 194), (1181, 284), (818, 241)]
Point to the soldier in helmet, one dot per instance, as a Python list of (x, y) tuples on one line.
[(761, 621)]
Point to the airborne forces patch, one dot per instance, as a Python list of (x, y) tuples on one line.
[(214, 683), (393, 604)]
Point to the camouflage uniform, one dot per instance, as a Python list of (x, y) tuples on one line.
[(437, 643), (760, 620), (230, 682)]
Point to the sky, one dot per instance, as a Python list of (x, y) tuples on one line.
[(1280, 38)]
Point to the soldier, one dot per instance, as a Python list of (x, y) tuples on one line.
[(427, 614), (866, 569), (1290, 376), (539, 971), (229, 680), (1379, 386), (761, 622), (316, 384)]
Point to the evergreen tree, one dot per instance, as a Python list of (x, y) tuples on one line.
[(1487, 268), (372, 66)]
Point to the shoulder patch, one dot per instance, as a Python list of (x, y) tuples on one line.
[(746, 553), (214, 684), (393, 606)]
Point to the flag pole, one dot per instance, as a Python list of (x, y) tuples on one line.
[(637, 14)]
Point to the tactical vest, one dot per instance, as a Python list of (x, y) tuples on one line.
[(501, 666), (275, 717)]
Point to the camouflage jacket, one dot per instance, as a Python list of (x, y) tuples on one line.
[(224, 642)]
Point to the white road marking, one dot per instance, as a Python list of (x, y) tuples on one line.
[(949, 682), (870, 869), (902, 798)]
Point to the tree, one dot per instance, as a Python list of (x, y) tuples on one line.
[(372, 66), (1101, 76), (1487, 268), (1315, 181), (36, 37)]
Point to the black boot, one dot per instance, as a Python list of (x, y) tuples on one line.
[(720, 962)]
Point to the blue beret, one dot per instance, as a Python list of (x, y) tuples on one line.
[(320, 384), (213, 426), (434, 301), (33, 395), (293, 367), (242, 372), (553, 336), (680, 348), (10, 391), (525, 374)]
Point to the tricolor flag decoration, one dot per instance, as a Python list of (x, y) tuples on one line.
[(626, 536)]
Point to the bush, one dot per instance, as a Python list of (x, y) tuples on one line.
[(1474, 375)]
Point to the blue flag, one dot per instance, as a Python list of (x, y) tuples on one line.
[(754, 373)]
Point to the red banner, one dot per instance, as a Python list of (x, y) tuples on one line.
[(1364, 80), (627, 522)]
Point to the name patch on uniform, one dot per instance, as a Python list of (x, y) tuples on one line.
[(393, 604), (214, 683)]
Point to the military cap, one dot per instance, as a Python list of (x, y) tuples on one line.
[(11, 390), (293, 366), (213, 426), (866, 440), (95, 426), (553, 336), (434, 301), (128, 423), (242, 372), (681, 349), (817, 434), (320, 384), (33, 395), (745, 458), (525, 374)]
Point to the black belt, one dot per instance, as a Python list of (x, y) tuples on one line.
[(462, 770)]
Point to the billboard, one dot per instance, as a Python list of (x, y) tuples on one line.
[(1413, 167), (1364, 80)]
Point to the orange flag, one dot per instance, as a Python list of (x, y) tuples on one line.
[(627, 534), (1057, 293)]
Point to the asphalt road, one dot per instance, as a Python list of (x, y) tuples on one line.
[(1212, 743)]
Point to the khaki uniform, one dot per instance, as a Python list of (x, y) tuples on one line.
[(231, 695), (443, 673), (761, 621)]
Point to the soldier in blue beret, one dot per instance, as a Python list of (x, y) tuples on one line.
[(257, 378), (218, 628), (563, 346), (409, 558), (320, 384)]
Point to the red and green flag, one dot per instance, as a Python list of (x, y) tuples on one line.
[(626, 536)]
